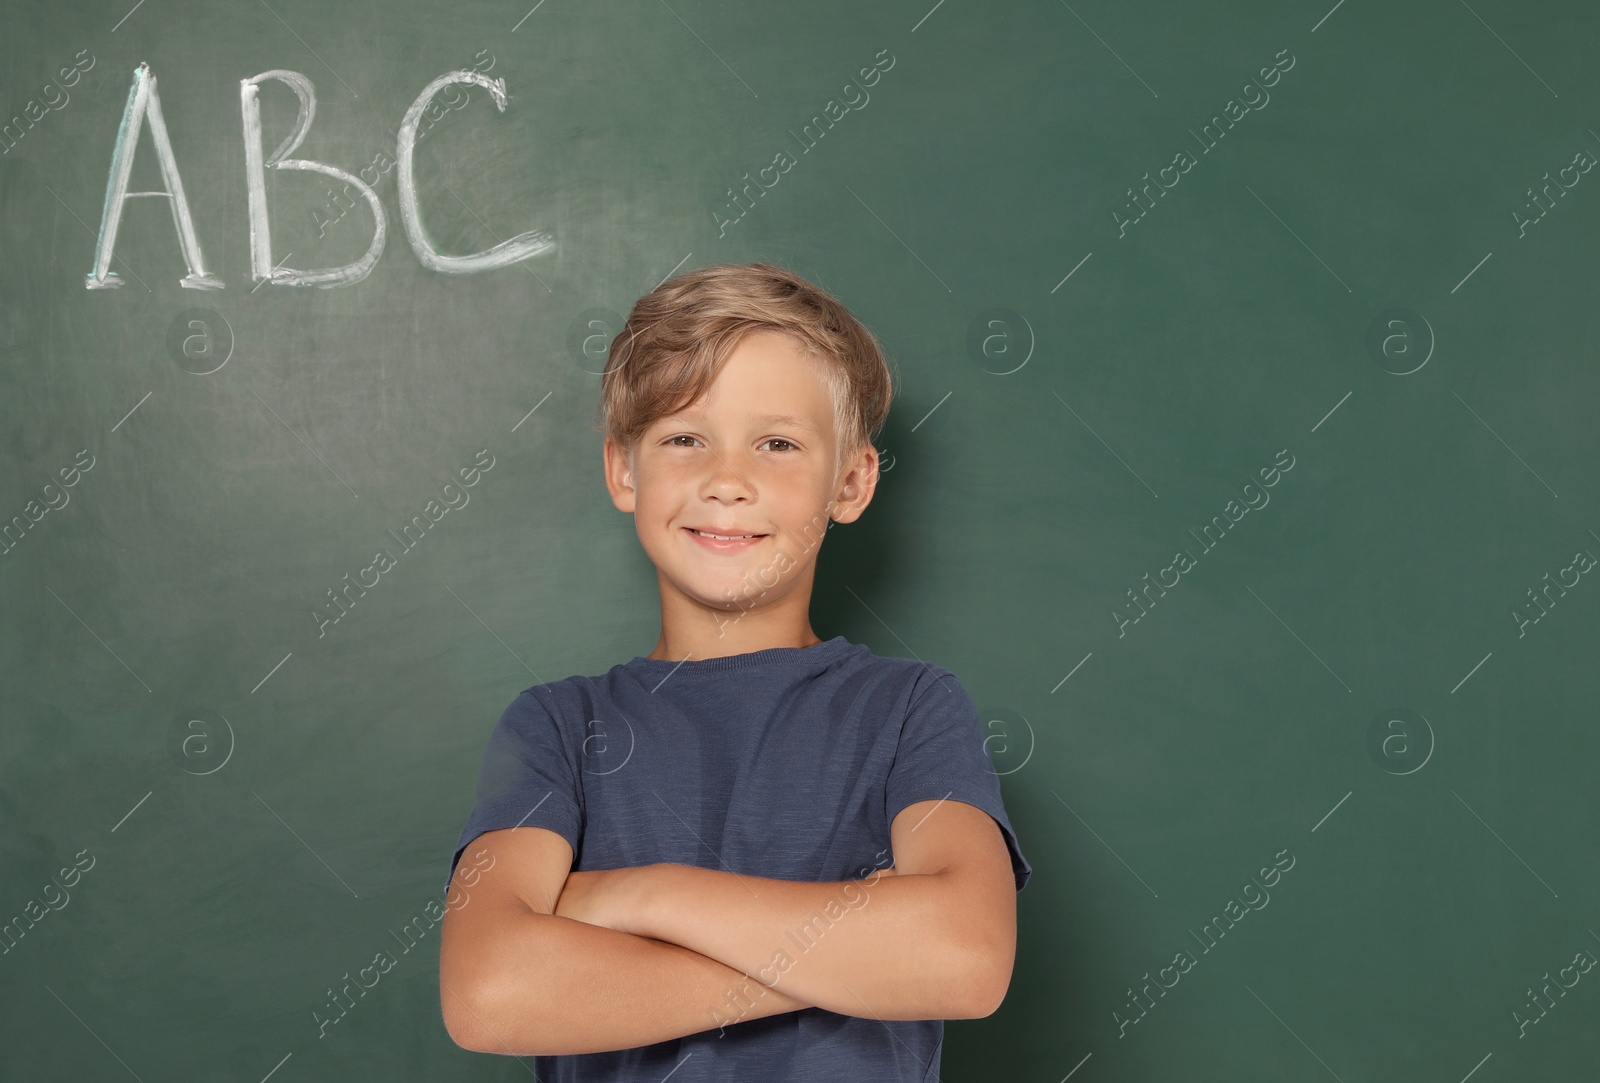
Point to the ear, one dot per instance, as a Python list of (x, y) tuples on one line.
[(856, 487), (619, 475)]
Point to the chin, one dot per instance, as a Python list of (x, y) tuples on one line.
[(712, 590)]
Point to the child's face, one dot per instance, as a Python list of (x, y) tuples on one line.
[(723, 467)]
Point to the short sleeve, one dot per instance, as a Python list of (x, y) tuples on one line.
[(527, 778), (941, 755)]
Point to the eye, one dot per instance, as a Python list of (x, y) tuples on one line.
[(671, 441), (779, 440)]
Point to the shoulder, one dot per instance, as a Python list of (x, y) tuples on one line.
[(911, 672), (559, 702), (928, 680), (910, 679), (892, 684), (913, 694)]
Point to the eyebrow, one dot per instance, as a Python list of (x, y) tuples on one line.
[(766, 419), (787, 419)]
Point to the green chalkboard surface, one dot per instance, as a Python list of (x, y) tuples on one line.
[(1242, 467)]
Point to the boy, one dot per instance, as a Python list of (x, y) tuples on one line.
[(752, 854)]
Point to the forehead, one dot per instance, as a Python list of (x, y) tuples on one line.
[(767, 380)]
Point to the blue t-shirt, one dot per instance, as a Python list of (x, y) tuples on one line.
[(789, 763)]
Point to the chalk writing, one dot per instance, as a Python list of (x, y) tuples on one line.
[(144, 108), (342, 202)]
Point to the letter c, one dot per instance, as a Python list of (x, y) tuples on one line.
[(520, 247)]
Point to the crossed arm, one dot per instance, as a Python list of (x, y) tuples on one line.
[(625, 957)]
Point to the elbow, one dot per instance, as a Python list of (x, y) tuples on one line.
[(483, 1012), (461, 1004), (464, 981), (491, 995), (474, 1023), (463, 1018), (983, 978), (983, 993)]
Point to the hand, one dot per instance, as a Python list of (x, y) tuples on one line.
[(594, 897)]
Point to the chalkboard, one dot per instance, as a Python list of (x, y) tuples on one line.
[(1240, 467)]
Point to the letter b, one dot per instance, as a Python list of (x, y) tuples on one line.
[(261, 266)]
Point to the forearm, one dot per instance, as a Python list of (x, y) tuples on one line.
[(563, 986), (885, 947)]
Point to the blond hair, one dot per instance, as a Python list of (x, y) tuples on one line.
[(680, 334)]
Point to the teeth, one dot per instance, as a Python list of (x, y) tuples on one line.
[(719, 537)]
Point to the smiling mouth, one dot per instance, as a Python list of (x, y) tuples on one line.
[(724, 543), (723, 537)]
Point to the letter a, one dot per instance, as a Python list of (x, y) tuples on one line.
[(143, 100), (520, 247), (261, 267)]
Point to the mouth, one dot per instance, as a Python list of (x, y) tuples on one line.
[(720, 542)]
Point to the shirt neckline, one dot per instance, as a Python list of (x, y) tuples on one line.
[(826, 650)]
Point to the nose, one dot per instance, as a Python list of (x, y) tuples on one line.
[(726, 481)]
